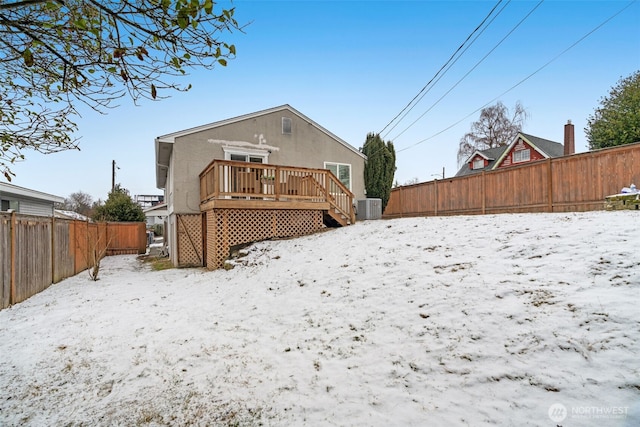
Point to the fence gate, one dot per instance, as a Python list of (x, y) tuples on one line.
[(189, 240)]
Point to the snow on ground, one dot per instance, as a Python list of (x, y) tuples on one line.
[(528, 319)]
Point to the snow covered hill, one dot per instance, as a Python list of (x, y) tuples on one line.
[(528, 319)]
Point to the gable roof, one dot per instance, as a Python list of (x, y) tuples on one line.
[(547, 148), (164, 143), (543, 146), (491, 154), (481, 154)]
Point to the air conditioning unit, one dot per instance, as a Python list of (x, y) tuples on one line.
[(369, 209)]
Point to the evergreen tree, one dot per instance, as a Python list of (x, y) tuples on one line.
[(379, 168), (617, 120), (119, 207)]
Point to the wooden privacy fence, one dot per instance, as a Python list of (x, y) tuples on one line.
[(38, 251), (579, 182)]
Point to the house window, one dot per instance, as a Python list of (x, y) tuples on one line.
[(521, 156), (286, 126), (342, 171), (10, 204), (247, 158), (246, 155), (478, 163)]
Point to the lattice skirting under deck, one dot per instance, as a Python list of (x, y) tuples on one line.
[(231, 227)]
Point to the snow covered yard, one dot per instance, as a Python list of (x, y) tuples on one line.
[(528, 319)]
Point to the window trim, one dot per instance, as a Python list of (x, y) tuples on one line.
[(475, 164), (527, 150), (249, 152), (350, 186)]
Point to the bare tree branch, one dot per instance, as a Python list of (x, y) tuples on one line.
[(57, 53), (495, 128)]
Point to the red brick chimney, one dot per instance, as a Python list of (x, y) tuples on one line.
[(569, 139)]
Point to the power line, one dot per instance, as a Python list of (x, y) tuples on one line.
[(450, 65), (525, 79), (442, 75), (473, 68), (442, 68)]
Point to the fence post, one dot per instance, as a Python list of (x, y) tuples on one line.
[(549, 186), (435, 197), (87, 253), (12, 288), (484, 194), (53, 248), (73, 243)]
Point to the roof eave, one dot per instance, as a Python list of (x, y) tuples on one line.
[(32, 194), (170, 138), (535, 147), (164, 148)]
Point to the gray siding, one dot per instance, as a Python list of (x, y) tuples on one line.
[(30, 206), (306, 146)]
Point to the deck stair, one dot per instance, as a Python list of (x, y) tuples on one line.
[(333, 218)]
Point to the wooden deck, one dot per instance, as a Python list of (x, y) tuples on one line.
[(241, 185)]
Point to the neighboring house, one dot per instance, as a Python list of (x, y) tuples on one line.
[(62, 214), (155, 215), (25, 201), (523, 149), (148, 200), (278, 136)]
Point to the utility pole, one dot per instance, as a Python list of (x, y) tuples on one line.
[(113, 176)]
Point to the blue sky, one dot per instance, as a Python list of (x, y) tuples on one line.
[(352, 66)]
